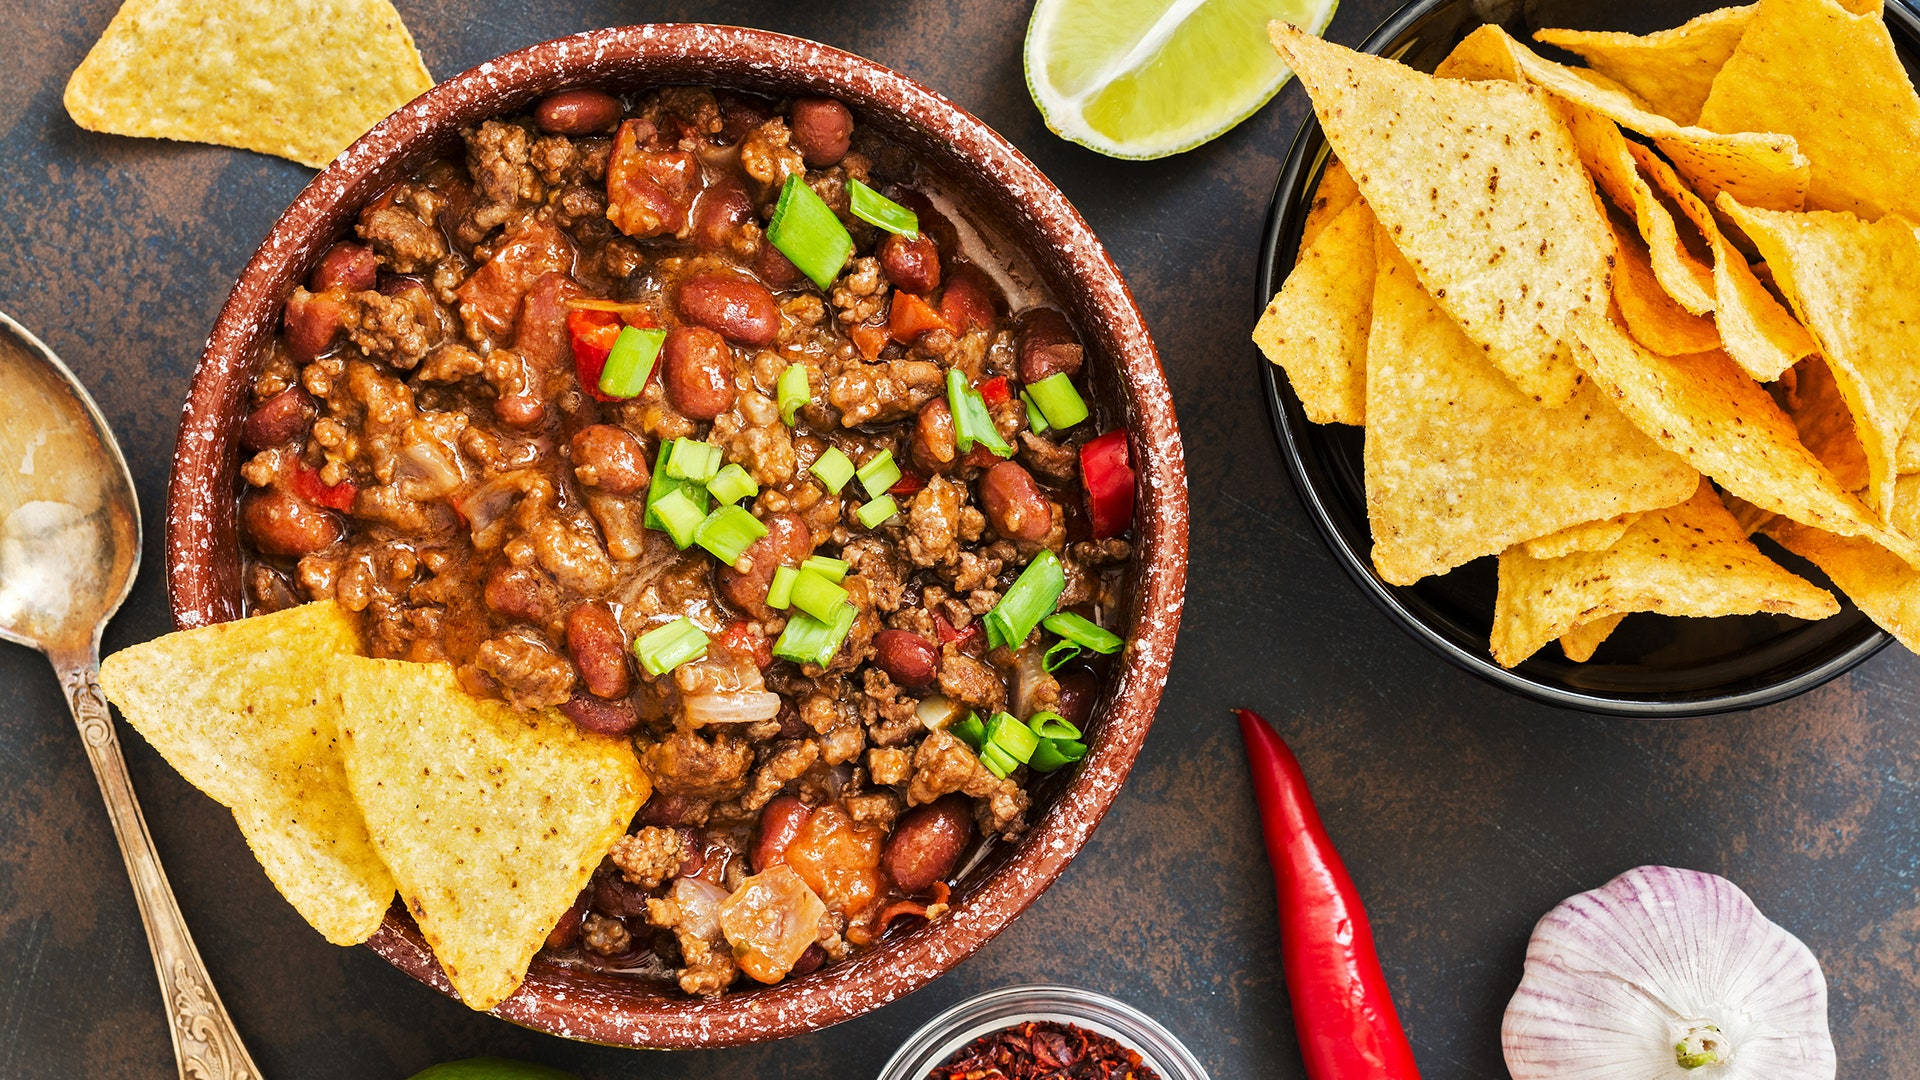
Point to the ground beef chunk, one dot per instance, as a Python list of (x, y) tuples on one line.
[(387, 328), (572, 554), (605, 935), (888, 713), (449, 363), (881, 567), (933, 523), (499, 156), (529, 673), (406, 244), (876, 808), (788, 762), (888, 766), (752, 434), (1057, 463), (861, 293), (708, 965), (683, 763), (651, 855), (1108, 552), (943, 764), (884, 392), (841, 735), (768, 156), (968, 680)]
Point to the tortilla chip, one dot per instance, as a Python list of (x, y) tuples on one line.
[(1480, 188), (1880, 583), (1654, 318), (1605, 153), (1316, 326), (491, 818), (1754, 328), (1831, 79), (1825, 424), (241, 710), (1581, 642), (299, 81), (1587, 536), (1760, 168), (1691, 559), (1335, 193), (1707, 410), (1853, 283), (1671, 70), (1460, 463)]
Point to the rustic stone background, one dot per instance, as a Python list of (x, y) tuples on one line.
[(1464, 813)]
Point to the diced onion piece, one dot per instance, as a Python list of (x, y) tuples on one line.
[(739, 707), (938, 713)]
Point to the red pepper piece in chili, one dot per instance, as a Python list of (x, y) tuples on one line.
[(996, 391), (592, 334), (910, 483), (909, 316), (1108, 473), (306, 483), (1341, 1008)]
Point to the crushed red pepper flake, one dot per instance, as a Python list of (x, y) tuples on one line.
[(1043, 1050)]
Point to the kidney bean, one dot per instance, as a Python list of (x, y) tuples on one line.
[(609, 458), (913, 265), (742, 311), (599, 650), (675, 810), (697, 372), (822, 130), (906, 657), (740, 114), (931, 447), (312, 321), (577, 112), (933, 223), (1078, 692), (567, 930), (927, 842), (282, 523), (788, 541), (522, 412), (693, 841), (540, 334), (1014, 504), (599, 715), (277, 421), (1048, 346), (719, 212), (780, 821), (970, 301), (346, 265), (809, 961), (614, 895), (519, 593)]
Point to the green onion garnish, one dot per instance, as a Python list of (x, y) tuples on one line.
[(663, 485), (1035, 418), (1059, 402), (666, 647), (630, 361), (680, 517), (1083, 632), (731, 484), (817, 596), (971, 421), (1051, 725), (793, 391), (834, 570), (970, 731), (878, 512), (807, 640), (806, 231), (1060, 655), (1054, 753), (879, 474), (833, 469), (1012, 736), (997, 761), (693, 461), (1031, 599), (876, 209), (780, 593), (728, 532)]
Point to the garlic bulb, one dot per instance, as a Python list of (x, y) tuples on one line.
[(1666, 974)]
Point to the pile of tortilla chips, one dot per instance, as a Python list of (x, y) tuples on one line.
[(351, 777), (1607, 322)]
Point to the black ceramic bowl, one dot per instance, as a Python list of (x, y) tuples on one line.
[(1653, 665)]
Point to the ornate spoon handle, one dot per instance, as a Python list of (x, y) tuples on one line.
[(204, 1040)]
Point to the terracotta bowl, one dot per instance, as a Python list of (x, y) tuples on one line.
[(201, 544)]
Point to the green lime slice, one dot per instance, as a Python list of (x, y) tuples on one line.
[(1149, 78), (490, 1068)]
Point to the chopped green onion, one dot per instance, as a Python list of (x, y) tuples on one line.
[(878, 512), (970, 731), (1036, 419), (1010, 735), (1031, 599), (666, 647), (879, 474), (876, 209), (834, 570), (817, 596), (728, 532), (793, 391), (807, 640), (680, 517), (806, 231), (1083, 632), (1054, 753), (663, 485), (971, 421), (630, 361), (833, 469), (1060, 655), (732, 484), (1051, 725), (998, 761), (780, 593), (1059, 402), (693, 460)]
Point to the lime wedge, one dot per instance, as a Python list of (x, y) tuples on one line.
[(1148, 78)]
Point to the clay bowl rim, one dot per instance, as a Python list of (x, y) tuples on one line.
[(202, 558)]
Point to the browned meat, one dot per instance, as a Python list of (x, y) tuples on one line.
[(683, 763)]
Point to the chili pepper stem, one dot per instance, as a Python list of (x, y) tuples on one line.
[(1342, 1009)]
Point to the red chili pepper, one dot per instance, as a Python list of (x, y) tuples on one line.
[(945, 631), (996, 390), (1341, 1008), (308, 485), (593, 334), (910, 483), (1108, 475)]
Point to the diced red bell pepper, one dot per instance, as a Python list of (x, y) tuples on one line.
[(869, 338), (996, 391), (909, 316), (910, 483), (961, 639), (744, 639), (592, 334), (1108, 475), (307, 484)]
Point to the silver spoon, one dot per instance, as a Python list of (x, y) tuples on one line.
[(69, 547)]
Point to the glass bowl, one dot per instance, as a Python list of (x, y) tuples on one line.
[(996, 1009)]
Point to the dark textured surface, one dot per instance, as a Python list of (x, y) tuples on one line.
[(1464, 813)]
